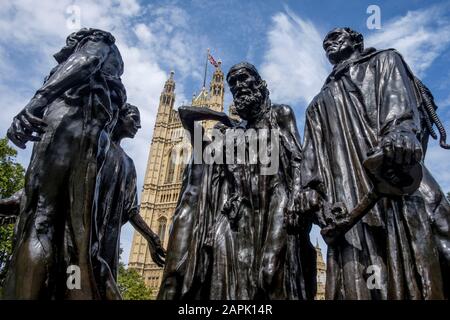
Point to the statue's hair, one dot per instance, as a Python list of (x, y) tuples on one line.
[(244, 65), (128, 108), (252, 69), (357, 37), (81, 36)]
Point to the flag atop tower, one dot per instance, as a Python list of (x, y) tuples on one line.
[(212, 60)]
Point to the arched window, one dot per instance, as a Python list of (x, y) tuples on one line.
[(180, 166), (162, 229), (170, 168)]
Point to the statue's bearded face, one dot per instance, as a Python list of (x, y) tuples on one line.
[(248, 94), (338, 45)]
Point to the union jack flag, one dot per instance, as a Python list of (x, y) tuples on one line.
[(212, 60)]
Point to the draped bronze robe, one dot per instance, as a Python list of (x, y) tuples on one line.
[(115, 203)]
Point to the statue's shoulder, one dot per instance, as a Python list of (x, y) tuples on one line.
[(386, 55), (314, 103), (282, 110), (283, 114)]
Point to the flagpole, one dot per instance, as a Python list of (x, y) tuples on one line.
[(206, 67)]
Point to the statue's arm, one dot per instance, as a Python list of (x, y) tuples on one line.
[(189, 115), (399, 116), (314, 168), (77, 68), (157, 252), (290, 138), (11, 206), (288, 125), (131, 214)]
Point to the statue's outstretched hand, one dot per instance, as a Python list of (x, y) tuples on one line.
[(301, 209), (233, 208), (336, 221), (157, 251), (26, 127)]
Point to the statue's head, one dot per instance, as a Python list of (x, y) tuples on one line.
[(78, 38), (249, 90), (341, 43), (129, 122)]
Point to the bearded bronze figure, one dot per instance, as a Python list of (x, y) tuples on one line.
[(237, 245)]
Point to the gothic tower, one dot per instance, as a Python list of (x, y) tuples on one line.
[(321, 274), (163, 176), (213, 98)]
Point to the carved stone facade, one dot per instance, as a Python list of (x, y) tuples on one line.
[(164, 172)]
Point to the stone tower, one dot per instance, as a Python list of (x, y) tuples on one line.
[(321, 274), (213, 98), (163, 176)]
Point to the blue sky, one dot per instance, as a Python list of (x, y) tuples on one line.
[(282, 38)]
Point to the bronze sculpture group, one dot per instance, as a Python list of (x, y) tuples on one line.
[(238, 232)]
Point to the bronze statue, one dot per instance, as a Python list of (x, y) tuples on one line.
[(383, 215), (116, 203), (172, 285), (237, 244), (70, 118)]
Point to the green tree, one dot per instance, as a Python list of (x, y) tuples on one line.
[(11, 173), (11, 180), (131, 284)]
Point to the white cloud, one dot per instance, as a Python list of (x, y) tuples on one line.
[(129, 7), (144, 34), (420, 36), (167, 32), (294, 64)]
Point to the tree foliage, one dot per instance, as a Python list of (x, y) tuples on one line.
[(11, 173), (11, 180), (132, 285)]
